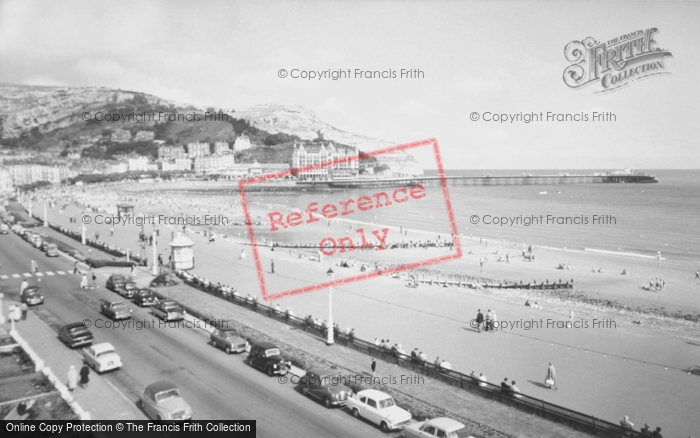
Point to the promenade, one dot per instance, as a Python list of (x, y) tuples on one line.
[(601, 371)]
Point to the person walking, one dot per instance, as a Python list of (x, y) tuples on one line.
[(479, 320), (551, 378), (23, 286), (133, 270), (494, 321), (35, 267), (23, 307), (272, 266), (75, 268), (72, 378), (374, 367), (94, 280), (84, 376), (487, 321), (84, 282)]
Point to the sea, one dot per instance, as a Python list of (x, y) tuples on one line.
[(648, 220)]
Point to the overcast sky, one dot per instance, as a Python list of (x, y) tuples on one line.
[(502, 57)]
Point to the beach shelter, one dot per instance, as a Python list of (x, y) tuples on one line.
[(182, 254)]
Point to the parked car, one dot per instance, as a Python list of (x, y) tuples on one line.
[(115, 309), (115, 281), (168, 310), (52, 250), (326, 386), (4, 229), (32, 296), (36, 240), (128, 289), (442, 427), (145, 297), (380, 409), (102, 357), (162, 401), (75, 335), (229, 340), (267, 357)]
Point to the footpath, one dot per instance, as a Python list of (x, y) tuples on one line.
[(101, 400)]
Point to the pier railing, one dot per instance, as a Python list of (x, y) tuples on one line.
[(577, 420)]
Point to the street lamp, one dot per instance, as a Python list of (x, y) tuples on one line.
[(329, 341)]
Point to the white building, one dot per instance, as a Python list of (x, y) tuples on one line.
[(198, 150), (117, 168), (213, 163), (138, 164), (5, 180), (242, 143), (221, 147), (315, 153)]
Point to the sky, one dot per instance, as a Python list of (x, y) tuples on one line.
[(476, 57)]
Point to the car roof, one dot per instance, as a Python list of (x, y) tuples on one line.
[(102, 346), (446, 424), (373, 393), (160, 386), (74, 325)]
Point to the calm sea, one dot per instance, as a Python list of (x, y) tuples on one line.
[(642, 218)]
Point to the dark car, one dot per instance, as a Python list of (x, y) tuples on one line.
[(115, 309), (168, 310), (145, 297), (75, 335), (325, 386), (128, 290), (267, 357), (32, 296), (229, 340), (115, 281)]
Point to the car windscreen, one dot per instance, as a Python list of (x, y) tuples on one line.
[(119, 306), (167, 394), (171, 308), (387, 403), (79, 331), (272, 352), (106, 353), (230, 334)]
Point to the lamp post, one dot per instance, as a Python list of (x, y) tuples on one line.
[(329, 341)]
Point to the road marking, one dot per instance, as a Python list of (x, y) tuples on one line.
[(4, 277), (49, 273), (27, 274), (60, 273), (39, 274), (15, 276)]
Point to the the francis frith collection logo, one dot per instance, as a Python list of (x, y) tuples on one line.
[(615, 63)]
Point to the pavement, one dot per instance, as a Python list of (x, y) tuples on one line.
[(101, 399)]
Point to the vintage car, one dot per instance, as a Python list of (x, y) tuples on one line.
[(75, 335), (51, 250), (4, 229), (267, 357), (326, 386), (145, 297), (32, 296), (115, 281), (162, 401), (229, 340), (380, 409), (168, 310), (127, 290), (102, 357), (115, 309), (442, 427)]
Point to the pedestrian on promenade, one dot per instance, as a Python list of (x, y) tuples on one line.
[(84, 376), (94, 280), (84, 282), (374, 367), (272, 266), (479, 320), (242, 256), (133, 270), (35, 267), (75, 268), (482, 380), (626, 423), (72, 378), (487, 321), (505, 387), (23, 286), (515, 390), (23, 307), (551, 378)]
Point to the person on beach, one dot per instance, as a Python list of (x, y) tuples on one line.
[(697, 274), (487, 320), (570, 324), (72, 380), (494, 321), (551, 379), (272, 266), (84, 282), (84, 376), (479, 320), (111, 231)]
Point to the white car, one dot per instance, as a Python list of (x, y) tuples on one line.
[(102, 357), (379, 408), (437, 427)]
